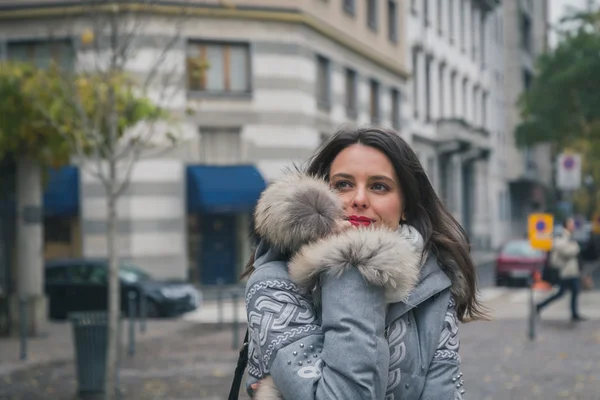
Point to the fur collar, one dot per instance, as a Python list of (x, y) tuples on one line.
[(296, 214)]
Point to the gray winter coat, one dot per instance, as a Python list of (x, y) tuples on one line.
[(350, 316)]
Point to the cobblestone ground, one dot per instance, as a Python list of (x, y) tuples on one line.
[(499, 363)]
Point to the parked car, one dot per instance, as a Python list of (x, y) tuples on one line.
[(80, 284), (516, 261)]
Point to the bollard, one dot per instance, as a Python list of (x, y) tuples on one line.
[(532, 312), (220, 302), (143, 312), (23, 331), (235, 325), (132, 310)]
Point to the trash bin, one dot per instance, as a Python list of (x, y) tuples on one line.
[(90, 334)]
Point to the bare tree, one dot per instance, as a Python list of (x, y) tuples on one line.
[(111, 115)]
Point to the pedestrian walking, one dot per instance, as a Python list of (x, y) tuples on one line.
[(565, 257), (360, 279)]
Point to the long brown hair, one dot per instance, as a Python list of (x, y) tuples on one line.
[(443, 235)]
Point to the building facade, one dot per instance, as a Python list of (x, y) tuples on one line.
[(257, 85), (470, 62), (456, 110), (529, 171)]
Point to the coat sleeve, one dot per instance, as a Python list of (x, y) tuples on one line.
[(341, 355), (566, 248), (444, 381)]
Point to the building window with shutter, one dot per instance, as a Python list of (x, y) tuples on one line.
[(392, 21), (220, 146), (218, 68), (349, 7), (351, 94), (374, 101), (323, 83), (43, 53), (372, 14), (396, 109)]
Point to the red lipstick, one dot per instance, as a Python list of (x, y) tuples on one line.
[(359, 221)]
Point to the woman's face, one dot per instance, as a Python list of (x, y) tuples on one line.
[(367, 183), (570, 225)]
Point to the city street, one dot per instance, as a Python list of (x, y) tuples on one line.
[(196, 361)]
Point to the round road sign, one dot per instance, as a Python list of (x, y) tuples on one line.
[(569, 162), (540, 226)]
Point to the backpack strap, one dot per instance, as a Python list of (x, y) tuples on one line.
[(239, 370)]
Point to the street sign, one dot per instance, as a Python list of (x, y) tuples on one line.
[(596, 224), (568, 175), (541, 228)]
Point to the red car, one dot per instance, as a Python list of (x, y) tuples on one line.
[(516, 261)]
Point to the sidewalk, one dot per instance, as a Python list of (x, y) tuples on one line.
[(57, 343), (498, 363)]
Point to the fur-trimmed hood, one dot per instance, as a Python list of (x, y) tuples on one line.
[(295, 217)]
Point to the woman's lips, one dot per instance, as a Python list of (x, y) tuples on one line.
[(360, 221)]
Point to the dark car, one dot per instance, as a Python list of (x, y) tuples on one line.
[(516, 261), (80, 284)]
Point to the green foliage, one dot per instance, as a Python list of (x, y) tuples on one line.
[(563, 103), (23, 128), (49, 115)]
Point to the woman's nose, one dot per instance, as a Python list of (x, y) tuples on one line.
[(359, 200)]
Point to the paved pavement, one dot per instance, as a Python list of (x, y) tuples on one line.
[(190, 358)]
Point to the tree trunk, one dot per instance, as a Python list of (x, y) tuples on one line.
[(114, 289), (30, 244)]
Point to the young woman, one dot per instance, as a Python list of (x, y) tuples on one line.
[(565, 256), (360, 279)]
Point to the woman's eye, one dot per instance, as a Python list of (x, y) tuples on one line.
[(380, 187), (342, 184)]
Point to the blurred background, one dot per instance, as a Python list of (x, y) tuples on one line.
[(148, 129)]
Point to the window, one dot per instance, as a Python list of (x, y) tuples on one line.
[(396, 110), (453, 94), (374, 101), (464, 99), (442, 94), (413, 7), (484, 110), (521, 248), (349, 7), (323, 84), (451, 20), (428, 89), (220, 146), (392, 21), (415, 82), (351, 93), (56, 274), (372, 14), (440, 16), (482, 37), (42, 53), (525, 33), (218, 68), (474, 36), (527, 79), (463, 36), (475, 116), (426, 19)]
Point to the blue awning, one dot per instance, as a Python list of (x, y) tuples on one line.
[(223, 189), (61, 194)]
